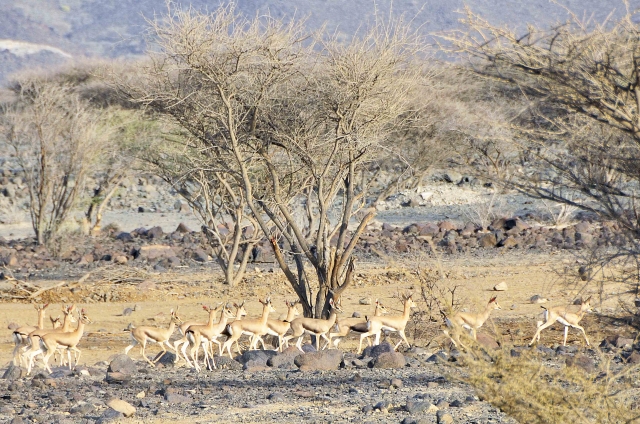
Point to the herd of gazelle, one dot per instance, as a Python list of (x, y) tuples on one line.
[(33, 342)]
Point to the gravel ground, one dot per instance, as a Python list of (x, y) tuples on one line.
[(225, 395)]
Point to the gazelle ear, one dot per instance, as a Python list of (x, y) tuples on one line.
[(46, 305), (587, 300), (493, 299)]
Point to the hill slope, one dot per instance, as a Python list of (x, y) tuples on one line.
[(110, 28)]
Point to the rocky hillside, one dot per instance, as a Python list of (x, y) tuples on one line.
[(51, 32)]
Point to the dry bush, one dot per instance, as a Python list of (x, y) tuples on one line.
[(532, 392), (439, 299)]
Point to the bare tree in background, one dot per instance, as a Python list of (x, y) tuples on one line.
[(279, 128), (579, 139), (55, 137)]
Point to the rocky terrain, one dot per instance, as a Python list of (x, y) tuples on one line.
[(259, 386)]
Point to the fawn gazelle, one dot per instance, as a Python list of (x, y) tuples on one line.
[(205, 336), (468, 321), (398, 323), (569, 316), (253, 327), (50, 342), (357, 325), (317, 327), (21, 334), (142, 335)]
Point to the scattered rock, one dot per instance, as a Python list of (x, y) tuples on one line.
[(582, 361), (82, 408), (536, 298), (375, 351), (415, 407), (110, 415), (487, 241), (121, 406), (389, 360), (176, 398), (13, 373), (276, 397), (122, 364), (256, 356), (365, 301), (324, 360), (487, 341), (634, 358), (117, 378), (502, 286), (444, 418)]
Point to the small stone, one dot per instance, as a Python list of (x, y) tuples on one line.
[(176, 398), (117, 378), (582, 361), (122, 406), (414, 407), (276, 397), (123, 364), (444, 418), (385, 404), (110, 415), (442, 404), (141, 395), (13, 373), (500, 286), (82, 408), (365, 301), (389, 360), (397, 383), (536, 298)]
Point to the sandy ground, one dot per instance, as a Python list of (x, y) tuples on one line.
[(525, 275)]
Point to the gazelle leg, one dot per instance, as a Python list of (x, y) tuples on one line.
[(566, 330), (539, 330), (404, 338), (583, 333), (184, 354)]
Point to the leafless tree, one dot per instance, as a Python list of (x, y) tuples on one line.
[(55, 137), (280, 124), (579, 137)]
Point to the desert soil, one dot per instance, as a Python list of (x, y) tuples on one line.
[(284, 395)]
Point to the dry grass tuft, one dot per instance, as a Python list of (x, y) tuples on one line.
[(533, 392)]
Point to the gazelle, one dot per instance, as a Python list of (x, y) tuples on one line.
[(51, 341), (182, 328), (279, 328), (252, 327), (205, 336), (21, 334), (357, 325), (142, 335), (569, 316), (241, 312), (33, 342), (469, 321), (314, 326), (375, 325)]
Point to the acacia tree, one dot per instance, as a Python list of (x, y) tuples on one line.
[(579, 139), (55, 136), (279, 123)]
